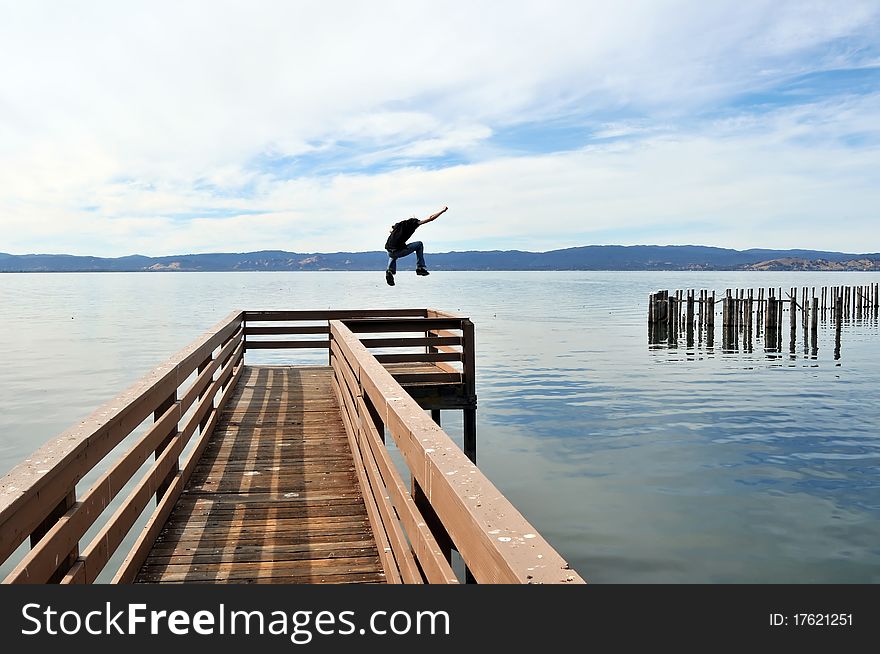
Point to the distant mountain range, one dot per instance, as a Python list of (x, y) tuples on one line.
[(590, 257)]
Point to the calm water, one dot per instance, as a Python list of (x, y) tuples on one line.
[(637, 464)]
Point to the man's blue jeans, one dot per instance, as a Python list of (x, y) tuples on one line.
[(406, 250)]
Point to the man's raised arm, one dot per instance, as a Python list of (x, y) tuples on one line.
[(433, 216)]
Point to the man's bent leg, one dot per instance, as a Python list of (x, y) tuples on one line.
[(420, 253), (405, 251)]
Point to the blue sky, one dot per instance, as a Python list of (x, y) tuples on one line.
[(166, 128)]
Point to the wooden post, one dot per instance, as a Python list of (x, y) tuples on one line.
[(43, 528), (690, 318), (690, 308), (749, 312), (169, 402), (701, 309), (759, 319), (725, 314), (680, 304), (470, 434), (838, 324), (815, 326), (730, 330), (740, 307), (656, 316), (379, 422), (770, 327), (805, 307), (876, 299), (204, 364), (431, 520), (779, 306), (710, 320), (470, 382)]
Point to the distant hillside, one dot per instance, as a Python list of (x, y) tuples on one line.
[(591, 257), (793, 263)]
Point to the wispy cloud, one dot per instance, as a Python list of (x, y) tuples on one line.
[(166, 128)]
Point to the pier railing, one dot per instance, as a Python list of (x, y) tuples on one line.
[(399, 336), (452, 503), (170, 415), (38, 498)]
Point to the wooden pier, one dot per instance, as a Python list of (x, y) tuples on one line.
[(211, 470), (747, 314)]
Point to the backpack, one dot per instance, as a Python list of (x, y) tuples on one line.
[(400, 231)]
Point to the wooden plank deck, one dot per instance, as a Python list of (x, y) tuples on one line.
[(274, 498)]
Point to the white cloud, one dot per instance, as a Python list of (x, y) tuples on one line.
[(118, 120)]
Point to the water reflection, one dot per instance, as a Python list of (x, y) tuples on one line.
[(707, 457)]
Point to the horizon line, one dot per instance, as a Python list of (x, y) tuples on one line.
[(340, 252)]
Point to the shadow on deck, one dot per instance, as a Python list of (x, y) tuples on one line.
[(274, 498)]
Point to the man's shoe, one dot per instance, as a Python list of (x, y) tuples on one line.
[(389, 277), (422, 271)]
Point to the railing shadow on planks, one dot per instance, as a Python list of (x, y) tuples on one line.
[(171, 412)]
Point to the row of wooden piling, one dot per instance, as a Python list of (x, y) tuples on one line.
[(748, 312)]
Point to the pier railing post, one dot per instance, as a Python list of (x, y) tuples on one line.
[(175, 467), (470, 413), (68, 561), (204, 364)]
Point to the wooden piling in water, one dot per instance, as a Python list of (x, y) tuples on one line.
[(710, 320), (838, 325), (770, 323), (759, 319), (751, 302), (700, 311), (690, 309), (748, 312), (815, 326), (876, 299)]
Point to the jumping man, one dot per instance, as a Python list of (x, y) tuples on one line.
[(397, 247)]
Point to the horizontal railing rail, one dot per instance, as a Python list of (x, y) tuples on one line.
[(302, 323), (38, 498), (459, 505)]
